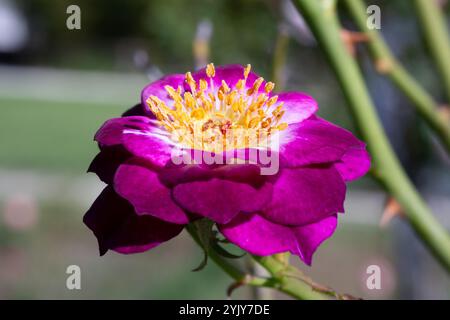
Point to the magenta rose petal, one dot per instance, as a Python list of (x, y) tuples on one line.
[(220, 200), (142, 188), (298, 106), (157, 89), (111, 132), (150, 144), (354, 164), (305, 195), (118, 228), (315, 141), (262, 237)]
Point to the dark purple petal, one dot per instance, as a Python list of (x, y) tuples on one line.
[(220, 200), (107, 161), (354, 164), (262, 237), (117, 227), (110, 133), (298, 106), (315, 141), (142, 188), (157, 89), (137, 110), (305, 195)]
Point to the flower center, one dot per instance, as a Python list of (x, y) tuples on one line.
[(223, 118)]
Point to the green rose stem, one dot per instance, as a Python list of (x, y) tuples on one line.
[(322, 18), (386, 64), (435, 33), (287, 282)]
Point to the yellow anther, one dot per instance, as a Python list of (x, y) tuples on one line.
[(189, 100), (220, 95), (198, 113), (269, 87), (230, 97), (203, 85), (256, 86), (254, 122), (272, 101), (210, 70), (282, 126), (225, 87), (173, 93), (247, 71), (190, 81), (240, 84)]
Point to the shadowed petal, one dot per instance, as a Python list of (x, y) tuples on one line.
[(142, 188), (261, 237), (117, 227), (107, 161), (220, 200), (305, 195)]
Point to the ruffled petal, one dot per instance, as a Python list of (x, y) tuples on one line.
[(157, 89), (220, 200), (305, 195), (314, 141), (118, 228), (142, 188), (261, 237), (298, 106)]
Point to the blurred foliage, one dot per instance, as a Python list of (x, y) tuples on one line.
[(242, 29)]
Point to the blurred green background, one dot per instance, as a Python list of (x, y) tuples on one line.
[(57, 86)]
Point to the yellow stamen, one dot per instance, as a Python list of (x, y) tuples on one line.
[(249, 115), (210, 70)]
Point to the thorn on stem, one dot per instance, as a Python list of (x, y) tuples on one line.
[(391, 210), (352, 38)]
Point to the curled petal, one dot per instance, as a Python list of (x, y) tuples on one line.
[(259, 236), (118, 228), (305, 195), (220, 200), (142, 188)]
